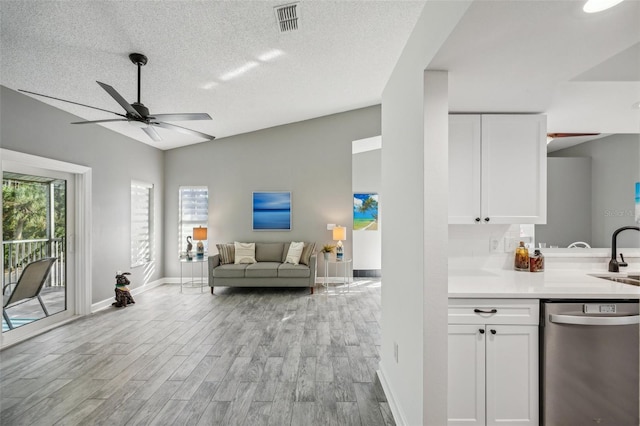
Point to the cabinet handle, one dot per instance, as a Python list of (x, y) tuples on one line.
[(477, 219), (486, 219), (481, 331), (493, 331), (480, 311)]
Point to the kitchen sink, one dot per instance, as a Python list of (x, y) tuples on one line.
[(631, 279)]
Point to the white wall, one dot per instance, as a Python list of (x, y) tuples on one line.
[(615, 167), (32, 127), (312, 159), (367, 178), (414, 397)]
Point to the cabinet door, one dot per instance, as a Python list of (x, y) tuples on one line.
[(466, 388), (464, 168), (512, 374), (514, 168)]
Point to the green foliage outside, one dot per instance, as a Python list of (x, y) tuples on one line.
[(24, 210)]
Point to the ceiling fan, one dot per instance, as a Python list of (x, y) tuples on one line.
[(138, 114), (569, 135)]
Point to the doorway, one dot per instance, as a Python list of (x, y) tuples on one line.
[(45, 214)]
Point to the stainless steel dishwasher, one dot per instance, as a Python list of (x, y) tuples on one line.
[(589, 363)]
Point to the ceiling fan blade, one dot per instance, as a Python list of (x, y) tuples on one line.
[(183, 130), (569, 135), (182, 117), (100, 121), (71, 102), (149, 130), (119, 99)]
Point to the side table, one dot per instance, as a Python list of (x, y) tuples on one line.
[(193, 282), (344, 263)]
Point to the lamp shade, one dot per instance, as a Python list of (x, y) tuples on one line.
[(339, 233), (199, 233)]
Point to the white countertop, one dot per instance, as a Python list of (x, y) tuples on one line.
[(556, 284)]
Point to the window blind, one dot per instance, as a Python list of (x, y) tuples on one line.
[(141, 223), (194, 212)]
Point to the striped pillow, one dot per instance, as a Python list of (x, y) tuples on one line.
[(307, 251), (245, 253), (227, 253)]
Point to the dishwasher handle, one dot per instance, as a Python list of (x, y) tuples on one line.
[(585, 320)]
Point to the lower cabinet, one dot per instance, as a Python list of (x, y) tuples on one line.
[(493, 367)]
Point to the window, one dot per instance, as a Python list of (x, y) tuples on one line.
[(141, 223), (194, 212)]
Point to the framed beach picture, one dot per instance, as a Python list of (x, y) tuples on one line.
[(272, 211), (365, 212), (637, 203)]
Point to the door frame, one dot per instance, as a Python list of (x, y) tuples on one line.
[(79, 238)]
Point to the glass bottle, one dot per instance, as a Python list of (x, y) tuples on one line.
[(536, 261), (522, 258)]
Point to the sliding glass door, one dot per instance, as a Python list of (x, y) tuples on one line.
[(37, 216)]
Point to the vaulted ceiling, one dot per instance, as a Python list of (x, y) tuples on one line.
[(229, 59)]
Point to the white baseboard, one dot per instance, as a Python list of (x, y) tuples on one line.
[(395, 410), (103, 304)]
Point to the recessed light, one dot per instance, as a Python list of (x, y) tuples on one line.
[(636, 105), (593, 6)]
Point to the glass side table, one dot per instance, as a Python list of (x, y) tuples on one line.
[(193, 282), (345, 264)]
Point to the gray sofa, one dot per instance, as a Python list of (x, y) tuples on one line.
[(269, 271)]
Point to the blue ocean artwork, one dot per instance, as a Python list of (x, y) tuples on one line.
[(272, 211), (638, 203)]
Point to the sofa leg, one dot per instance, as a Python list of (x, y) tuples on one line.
[(311, 288), (211, 290)]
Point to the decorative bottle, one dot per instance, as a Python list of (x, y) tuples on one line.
[(522, 258), (536, 262)]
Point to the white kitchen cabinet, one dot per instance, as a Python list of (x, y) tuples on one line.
[(493, 366), (497, 169)]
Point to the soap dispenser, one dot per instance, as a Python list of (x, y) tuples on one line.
[(522, 258)]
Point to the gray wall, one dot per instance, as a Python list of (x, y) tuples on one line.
[(367, 177), (312, 159), (615, 162), (568, 202), (32, 127)]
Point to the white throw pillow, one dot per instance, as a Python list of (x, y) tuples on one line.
[(245, 252), (294, 253)]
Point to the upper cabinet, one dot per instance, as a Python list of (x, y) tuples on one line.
[(497, 168)]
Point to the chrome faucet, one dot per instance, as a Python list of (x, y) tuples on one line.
[(614, 266)]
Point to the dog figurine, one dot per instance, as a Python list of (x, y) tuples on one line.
[(123, 295)]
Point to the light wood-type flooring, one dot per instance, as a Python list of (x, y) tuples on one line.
[(242, 357)]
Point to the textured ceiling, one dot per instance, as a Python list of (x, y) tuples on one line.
[(540, 56), (339, 59)]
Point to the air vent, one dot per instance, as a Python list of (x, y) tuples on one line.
[(287, 17)]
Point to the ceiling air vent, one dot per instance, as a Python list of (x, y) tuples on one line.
[(287, 17)]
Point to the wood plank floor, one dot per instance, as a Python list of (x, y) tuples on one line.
[(241, 357)]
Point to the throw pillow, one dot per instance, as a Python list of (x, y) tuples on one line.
[(294, 253), (227, 253), (307, 251), (245, 252)]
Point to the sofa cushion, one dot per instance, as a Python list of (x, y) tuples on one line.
[(227, 253), (262, 270), (287, 270), (285, 251), (230, 271), (269, 252), (245, 252), (307, 251), (294, 253)]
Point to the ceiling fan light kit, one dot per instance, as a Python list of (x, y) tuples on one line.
[(594, 6), (137, 114)]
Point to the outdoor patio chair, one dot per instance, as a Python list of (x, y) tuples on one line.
[(28, 286)]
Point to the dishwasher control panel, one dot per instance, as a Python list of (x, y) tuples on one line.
[(599, 308)]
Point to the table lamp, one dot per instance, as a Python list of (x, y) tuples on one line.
[(339, 234), (200, 234)]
